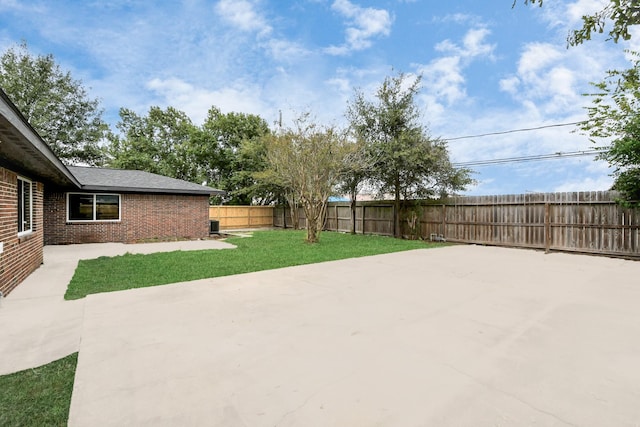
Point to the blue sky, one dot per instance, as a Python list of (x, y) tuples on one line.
[(486, 67)]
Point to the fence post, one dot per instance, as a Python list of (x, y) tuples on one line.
[(547, 227), (363, 222), (444, 220)]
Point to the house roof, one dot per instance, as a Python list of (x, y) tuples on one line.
[(24, 151), (122, 180)]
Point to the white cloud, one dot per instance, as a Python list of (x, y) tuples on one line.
[(600, 183), (196, 101), (285, 50), (243, 14), (554, 78), (20, 6), (443, 77), (474, 43), (566, 16), (247, 18), (363, 25), (536, 57), (634, 43), (510, 85), (458, 18), (341, 84), (580, 8)]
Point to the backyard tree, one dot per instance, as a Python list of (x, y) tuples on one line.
[(56, 105), (307, 161), (232, 151), (358, 165), (160, 142), (620, 14), (407, 161), (615, 113)]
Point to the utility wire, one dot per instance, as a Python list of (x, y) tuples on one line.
[(522, 159), (538, 157), (514, 131)]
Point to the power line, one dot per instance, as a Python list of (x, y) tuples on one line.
[(514, 131), (522, 159)]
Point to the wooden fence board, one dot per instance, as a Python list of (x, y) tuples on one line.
[(588, 222), (231, 217)]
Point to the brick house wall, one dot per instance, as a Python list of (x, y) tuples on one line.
[(143, 217), (20, 255)]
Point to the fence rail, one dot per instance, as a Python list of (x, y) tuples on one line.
[(587, 222)]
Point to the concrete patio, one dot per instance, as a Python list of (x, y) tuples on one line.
[(455, 336), (38, 325)]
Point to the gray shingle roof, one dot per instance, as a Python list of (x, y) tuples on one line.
[(99, 179)]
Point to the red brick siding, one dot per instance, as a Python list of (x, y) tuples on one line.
[(21, 255), (143, 217)]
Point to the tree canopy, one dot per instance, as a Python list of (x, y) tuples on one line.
[(225, 152), (160, 142), (617, 15), (233, 152), (307, 162), (55, 104), (406, 160), (615, 113), (358, 165)]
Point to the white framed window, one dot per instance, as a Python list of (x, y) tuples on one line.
[(87, 207), (25, 206)]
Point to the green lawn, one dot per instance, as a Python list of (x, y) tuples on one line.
[(264, 251), (38, 397)]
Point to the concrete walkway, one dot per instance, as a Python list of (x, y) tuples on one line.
[(37, 325), (456, 336)]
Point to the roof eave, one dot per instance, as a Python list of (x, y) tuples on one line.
[(22, 127), (104, 188)]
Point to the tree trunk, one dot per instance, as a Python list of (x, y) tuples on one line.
[(313, 221), (321, 217), (295, 213), (312, 235)]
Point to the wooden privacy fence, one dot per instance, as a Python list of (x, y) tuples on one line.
[(587, 222), (377, 219), (231, 217)]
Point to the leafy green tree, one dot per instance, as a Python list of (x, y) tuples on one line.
[(358, 165), (407, 161), (252, 158), (225, 151), (161, 142), (307, 161), (615, 110), (56, 105), (620, 14), (233, 152), (615, 113)]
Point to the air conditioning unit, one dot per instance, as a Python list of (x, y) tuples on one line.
[(214, 226)]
